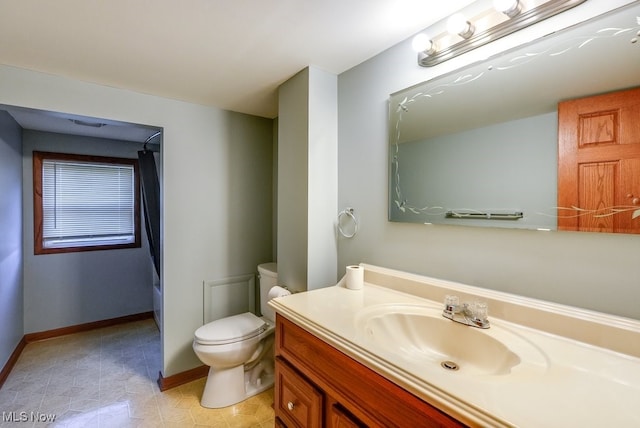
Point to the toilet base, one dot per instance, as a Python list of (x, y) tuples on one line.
[(266, 382), (228, 387)]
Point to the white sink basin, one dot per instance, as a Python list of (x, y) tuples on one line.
[(421, 335)]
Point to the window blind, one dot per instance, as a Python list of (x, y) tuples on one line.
[(87, 204)]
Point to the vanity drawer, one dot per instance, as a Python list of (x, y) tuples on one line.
[(298, 402)]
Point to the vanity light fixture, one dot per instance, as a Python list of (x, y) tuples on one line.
[(423, 43), (511, 8), (458, 24), (504, 18)]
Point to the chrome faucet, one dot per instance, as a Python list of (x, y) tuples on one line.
[(473, 314)]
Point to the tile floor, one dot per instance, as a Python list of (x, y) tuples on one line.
[(107, 378)]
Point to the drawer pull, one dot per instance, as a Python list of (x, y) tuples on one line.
[(290, 406)]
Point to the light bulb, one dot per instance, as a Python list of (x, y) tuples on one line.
[(458, 24), (423, 43), (510, 8)]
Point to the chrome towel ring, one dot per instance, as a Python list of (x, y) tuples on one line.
[(349, 213)]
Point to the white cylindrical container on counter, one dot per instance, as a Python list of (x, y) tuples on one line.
[(354, 277)]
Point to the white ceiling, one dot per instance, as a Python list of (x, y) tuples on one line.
[(232, 54)]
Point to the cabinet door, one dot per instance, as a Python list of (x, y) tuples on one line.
[(340, 418), (298, 402)]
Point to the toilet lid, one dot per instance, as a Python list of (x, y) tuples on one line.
[(230, 329)]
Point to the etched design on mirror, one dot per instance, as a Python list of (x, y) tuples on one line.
[(402, 204), (408, 106), (600, 212), (565, 47)]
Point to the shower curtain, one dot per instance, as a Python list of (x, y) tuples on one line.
[(151, 203)]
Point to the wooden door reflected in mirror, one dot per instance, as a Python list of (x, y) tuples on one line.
[(599, 163)]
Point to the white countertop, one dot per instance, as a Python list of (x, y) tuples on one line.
[(563, 382)]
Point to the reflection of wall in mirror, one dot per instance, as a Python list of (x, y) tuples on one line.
[(505, 167)]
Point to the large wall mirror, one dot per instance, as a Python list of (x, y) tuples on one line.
[(480, 146)]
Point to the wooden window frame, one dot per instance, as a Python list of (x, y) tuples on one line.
[(38, 223)]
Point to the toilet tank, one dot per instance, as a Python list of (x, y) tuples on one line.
[(267, 277)]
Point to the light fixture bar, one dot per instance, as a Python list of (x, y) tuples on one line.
[(520, 20)]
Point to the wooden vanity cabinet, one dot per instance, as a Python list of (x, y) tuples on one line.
[(319, 386)]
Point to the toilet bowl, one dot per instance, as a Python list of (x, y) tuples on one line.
[(239, 350)]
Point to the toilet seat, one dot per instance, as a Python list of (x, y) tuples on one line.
[(232, 329)]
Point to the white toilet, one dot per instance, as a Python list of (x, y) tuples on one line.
[(239, 350)]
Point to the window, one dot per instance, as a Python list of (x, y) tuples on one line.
[(84, 203)]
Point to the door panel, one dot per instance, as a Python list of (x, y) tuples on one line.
[(599, 163), (596, 190)]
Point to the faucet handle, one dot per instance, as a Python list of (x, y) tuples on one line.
[(481, 311), (451, 303)]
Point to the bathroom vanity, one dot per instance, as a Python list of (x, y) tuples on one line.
[(385, 356), (319, 386)]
